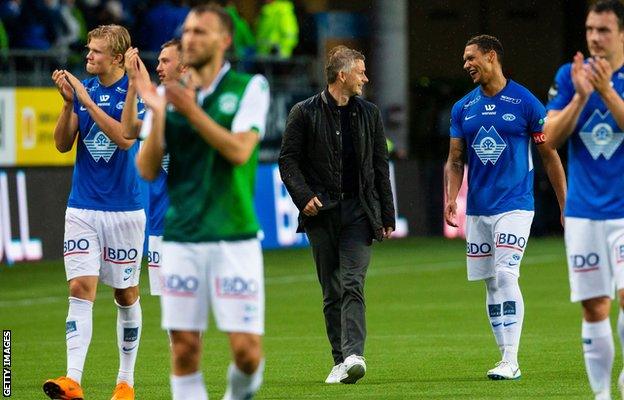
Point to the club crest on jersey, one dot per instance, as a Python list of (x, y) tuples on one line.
[(598, 136), (99, 145), (488, 145), (228, 103)]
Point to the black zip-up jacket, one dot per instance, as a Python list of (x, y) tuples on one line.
[(310, 160)]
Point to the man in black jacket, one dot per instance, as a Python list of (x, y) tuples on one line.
[(334, 163)]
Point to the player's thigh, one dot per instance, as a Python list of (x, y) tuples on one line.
[(479, 247), (122, 234), (511, 236), (81, 246), (184, 298), (587, 253), (237, 286), (154, 263)]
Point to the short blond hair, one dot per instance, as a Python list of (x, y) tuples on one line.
[(116, 36)]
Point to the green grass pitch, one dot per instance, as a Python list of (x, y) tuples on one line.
[(428, 335)]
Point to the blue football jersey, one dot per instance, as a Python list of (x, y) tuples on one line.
[(595, 152), (159, 200), (497, 131), (105, 177)]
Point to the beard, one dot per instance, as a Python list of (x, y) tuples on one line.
[(199, 62)]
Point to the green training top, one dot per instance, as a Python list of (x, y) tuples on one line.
[(210, 198)]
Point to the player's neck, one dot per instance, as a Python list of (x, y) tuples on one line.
[(113, 76), (208, 73), (617, 61), (494, 85)]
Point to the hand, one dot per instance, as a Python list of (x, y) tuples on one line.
[(582, 85), (182, 98), (131, 62), (599, 73), (313, 207), (450, 214), (66, 91), (147, 92), (79, 89), (387, 232)]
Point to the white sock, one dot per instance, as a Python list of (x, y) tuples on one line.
[(242, 386), (129, 325), (598, 351), (188, 387), (78, 330), (494, 311), (513, 314)]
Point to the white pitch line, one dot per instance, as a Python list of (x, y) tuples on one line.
[(301, 278)]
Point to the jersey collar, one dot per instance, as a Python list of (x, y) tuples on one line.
[(203, 93)]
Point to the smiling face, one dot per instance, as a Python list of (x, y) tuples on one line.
[(603, 35), (479, 65), (100, 58), (355, 78), (204, 39), (169, 64)]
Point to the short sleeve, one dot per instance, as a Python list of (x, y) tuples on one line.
[(562, 89), (456, 128), (536, 116), (254, 107), (146, 115)]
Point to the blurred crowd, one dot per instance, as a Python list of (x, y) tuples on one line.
[(64, 24)]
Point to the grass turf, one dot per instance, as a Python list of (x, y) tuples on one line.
[(428, 334)]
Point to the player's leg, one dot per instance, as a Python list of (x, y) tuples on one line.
[(122, 235), (81, 255), (184, 306), (511, 233), (591, 283), (480, 266), (237, 298)]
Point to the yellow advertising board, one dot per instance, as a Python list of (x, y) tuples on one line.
[(36, 113)]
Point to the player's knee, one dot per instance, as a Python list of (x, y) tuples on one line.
[(128, 296), (82, 289), (247, 353), (597, 309), (186, 348), (506, 279)]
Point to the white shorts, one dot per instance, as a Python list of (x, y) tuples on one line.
[(595, 252), (228, 276), (496, 242), (154, 262), (107, 244)]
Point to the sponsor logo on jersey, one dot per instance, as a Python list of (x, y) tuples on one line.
[(153, 258), (228, 102), (236, 287), (510, 99), (165, 163), (104, 97), (514, 261), (477, 250), (509, 117), (120, 256), (494, 310), (104, 100), (120, 105), (469, 117), (99, 145), (619, 253), (510, 241), (180, 286), (509, 308), (75, 246), (121, 90), (599, 137), (490, 107), (488, 145), (585, 262), (83, 108), (472, 102)]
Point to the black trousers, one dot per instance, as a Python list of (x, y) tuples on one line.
[(341, 245)]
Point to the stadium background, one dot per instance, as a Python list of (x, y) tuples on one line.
[(413, 51)]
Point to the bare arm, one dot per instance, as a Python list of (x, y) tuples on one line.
[(555, 172), (111, 127), (150, 155), (67, 125), (135, 69), (453, 177), (236, 148)]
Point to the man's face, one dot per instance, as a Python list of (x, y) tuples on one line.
[(100, 58), (603, 35), (479, 65), (203, 39), (169, 66), (356, 78)]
